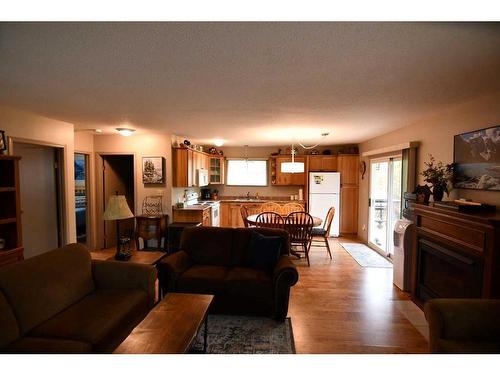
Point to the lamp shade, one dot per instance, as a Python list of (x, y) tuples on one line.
[(117, 208), (292, 167)]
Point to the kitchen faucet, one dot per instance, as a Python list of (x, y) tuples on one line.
[(248, 195)]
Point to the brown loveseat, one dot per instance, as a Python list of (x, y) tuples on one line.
[(213, 261), (63, 302), (463, 325)]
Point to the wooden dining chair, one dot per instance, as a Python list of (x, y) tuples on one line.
[(288, 208), (244, 215), (299, 226), (271, 207), (270, 220), (324, 232)]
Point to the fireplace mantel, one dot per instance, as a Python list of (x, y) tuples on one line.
[(455, 255)]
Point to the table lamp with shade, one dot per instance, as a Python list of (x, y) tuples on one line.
[(118, 209)]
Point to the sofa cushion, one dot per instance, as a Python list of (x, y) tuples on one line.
[(9, 330), (241, 238), (203, 279), (40, 287), (42, 345), (103, 319), (208, 245), (263, 252), (249, 282)]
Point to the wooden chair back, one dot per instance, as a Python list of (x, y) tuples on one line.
[(270, 207), (244, 215), (299, 226), (328, 221), (270, 220), (152, 205), (288, 208)]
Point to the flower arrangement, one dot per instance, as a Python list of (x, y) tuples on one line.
[(439, 175)]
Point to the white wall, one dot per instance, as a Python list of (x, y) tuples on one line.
[(27, 127), (435, 134)]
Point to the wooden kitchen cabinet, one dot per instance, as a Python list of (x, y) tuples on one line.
[(288, 179), (348, 166), (230, 213), (323, 163), (216, 170), (349, 210), (193, 216), (185, 164)]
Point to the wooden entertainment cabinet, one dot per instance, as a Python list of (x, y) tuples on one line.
[(455, 254), (10, 210)]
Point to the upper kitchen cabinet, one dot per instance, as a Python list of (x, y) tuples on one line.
[(323, 163), (348, 166), (216, 170), (279, 178), (186, 164)]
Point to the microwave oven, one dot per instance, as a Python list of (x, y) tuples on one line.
[(202, 177)]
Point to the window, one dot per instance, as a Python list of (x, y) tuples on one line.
[(246, 172)]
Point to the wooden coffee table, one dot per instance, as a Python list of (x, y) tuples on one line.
[(170, 327), (142, 257)]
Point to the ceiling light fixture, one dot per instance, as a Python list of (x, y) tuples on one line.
[(126, 132), (293, 166), (218, 142), (99, 131)]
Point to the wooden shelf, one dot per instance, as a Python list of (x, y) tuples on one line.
[(10, 210), (8, 220)]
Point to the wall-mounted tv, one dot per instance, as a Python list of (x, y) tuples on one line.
[(477, 159)]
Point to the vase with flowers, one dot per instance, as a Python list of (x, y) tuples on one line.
[(438, 175)]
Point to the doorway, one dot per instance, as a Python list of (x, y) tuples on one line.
[(82, 198), (118, 177), (384, 202), (42, 203)]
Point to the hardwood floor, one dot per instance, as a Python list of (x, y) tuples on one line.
[(340, 307)]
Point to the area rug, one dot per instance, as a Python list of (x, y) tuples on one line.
[(246, 335), (365, 256)]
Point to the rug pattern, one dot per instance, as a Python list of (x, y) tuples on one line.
[(246, 335), (365, 256)]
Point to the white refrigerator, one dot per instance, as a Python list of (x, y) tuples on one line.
[(324, 192)]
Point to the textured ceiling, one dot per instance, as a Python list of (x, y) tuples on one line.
[(247, 83)]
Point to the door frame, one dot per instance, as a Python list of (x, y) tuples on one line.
[(99, 196), (90, 198), (387, 158), (63, 210)]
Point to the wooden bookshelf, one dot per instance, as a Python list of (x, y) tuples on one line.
[(10, 210)]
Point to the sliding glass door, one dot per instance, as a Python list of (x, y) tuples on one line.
[(385, 202)]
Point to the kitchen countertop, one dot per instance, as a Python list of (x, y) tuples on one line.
[(202, 207)]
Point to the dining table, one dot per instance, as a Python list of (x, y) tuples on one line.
[(252, 220)]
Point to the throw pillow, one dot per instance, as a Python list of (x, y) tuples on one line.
[(263, 252)]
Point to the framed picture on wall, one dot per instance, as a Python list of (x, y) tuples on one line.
[(3, 141), (153, 170), (476, 155)]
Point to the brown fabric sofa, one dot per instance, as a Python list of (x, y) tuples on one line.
[(463, 325), (212, 261), (63, 302)]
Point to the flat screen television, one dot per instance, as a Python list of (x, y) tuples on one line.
[(476, 155)]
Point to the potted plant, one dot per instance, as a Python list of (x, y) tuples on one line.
[(438, 175)]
